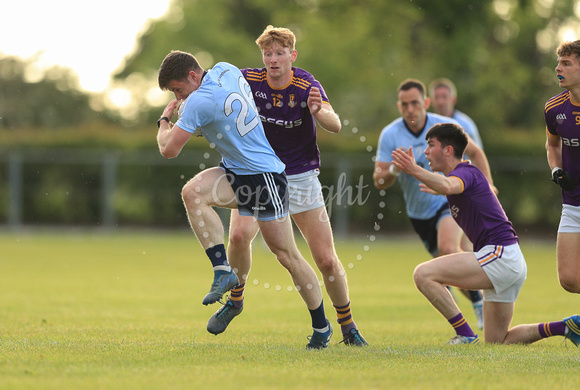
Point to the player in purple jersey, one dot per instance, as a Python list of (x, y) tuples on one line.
[(497, 264), (218, 103), (443, 94), (562, 114), (290, 102), (429, 215)]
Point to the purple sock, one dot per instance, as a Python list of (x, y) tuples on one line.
[(548, 329), (461, 326)]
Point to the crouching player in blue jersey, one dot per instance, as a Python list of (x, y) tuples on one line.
[(218, 104), (563, 153), (497, 265)]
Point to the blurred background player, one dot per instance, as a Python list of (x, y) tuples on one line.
[(290, 102), (429, 214), (563, 154), (497, 264), (250, 176), (443, 95)]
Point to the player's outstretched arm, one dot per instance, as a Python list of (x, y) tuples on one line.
[(439, 184)]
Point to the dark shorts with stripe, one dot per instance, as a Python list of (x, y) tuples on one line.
[(262, 196), (427, 229)]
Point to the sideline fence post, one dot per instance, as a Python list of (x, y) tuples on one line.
[(15, 190), (109, 176)]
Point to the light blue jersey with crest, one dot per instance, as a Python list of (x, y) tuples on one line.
[(419, 205), (225, 113)]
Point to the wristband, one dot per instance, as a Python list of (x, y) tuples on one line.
[(392, 170), (554, 170), (163, 118)]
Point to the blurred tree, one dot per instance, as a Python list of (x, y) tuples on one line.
[(499, 52), (33, 98)]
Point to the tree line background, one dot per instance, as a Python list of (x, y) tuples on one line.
[(500, 54)]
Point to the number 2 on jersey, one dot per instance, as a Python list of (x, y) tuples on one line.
[(246, 108)]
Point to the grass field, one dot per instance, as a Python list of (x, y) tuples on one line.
[(108, 311)]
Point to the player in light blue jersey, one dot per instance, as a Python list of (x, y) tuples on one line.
[(496, 265), (218, 103), (429, 214), (562, 113), (443, 94)]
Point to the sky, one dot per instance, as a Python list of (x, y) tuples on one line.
[(91, 38)]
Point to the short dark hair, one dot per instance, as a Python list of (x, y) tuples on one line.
[(449, 134), (410, 84), (176, 66)]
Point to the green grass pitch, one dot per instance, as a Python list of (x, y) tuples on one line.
[(123, 310)]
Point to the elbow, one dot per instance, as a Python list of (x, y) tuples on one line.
[(168, 153), (334, 128)]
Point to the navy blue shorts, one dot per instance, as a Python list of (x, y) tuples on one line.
[(427, 229), (263, 196)]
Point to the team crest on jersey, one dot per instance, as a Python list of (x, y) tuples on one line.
[(292, 103), (561, 117)]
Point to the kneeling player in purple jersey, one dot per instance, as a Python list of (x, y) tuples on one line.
[(290, 102), (563, 152), (497, 265)]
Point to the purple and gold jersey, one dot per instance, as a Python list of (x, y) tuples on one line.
[(478, 211), (289, 126), (563, 119)]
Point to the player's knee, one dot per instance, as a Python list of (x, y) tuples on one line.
[(240, 238), (570, 283), (327, 264), (420, 276), (188, 194)]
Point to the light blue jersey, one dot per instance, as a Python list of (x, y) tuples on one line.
[(225, 113), (420, 205), (469, 126)]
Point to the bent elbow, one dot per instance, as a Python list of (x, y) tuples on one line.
[(168, 153)]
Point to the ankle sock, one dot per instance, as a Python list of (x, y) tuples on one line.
[(461, 326), (549, 329), (237, 295), (218, 258), (345, 318), (319, 322)]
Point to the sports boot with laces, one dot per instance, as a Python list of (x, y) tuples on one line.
[(573, 329), (222, 318), (320, 340), (354, 338), (223, 281), (463, 340)]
